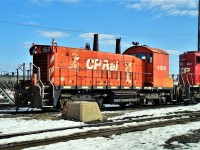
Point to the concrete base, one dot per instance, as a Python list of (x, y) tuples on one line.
[(82, 111)]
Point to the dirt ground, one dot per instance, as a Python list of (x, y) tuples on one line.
[(192, 137)]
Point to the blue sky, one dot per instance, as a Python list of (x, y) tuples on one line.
[(167, 24)]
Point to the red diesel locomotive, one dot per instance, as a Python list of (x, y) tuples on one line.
[(189, 75), (139, 76)]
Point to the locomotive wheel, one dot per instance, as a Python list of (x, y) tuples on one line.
[(137, 104), (141, 102), (193, 100), (122, 105), (162, 101), (187, 102), (156, 102), (174, 102), (198, 100)]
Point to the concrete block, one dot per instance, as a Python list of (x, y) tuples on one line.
[(82, 111)]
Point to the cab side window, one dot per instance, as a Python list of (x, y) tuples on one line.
[(150, 58), (198, 59)]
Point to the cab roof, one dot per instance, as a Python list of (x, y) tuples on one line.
[(153, 50)]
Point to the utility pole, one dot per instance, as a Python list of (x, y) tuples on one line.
[(198, 28)]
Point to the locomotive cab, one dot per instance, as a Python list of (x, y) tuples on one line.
[(156, 65), (157, 84)]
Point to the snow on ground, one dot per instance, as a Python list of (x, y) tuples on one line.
[(149, 139), (158, 111)]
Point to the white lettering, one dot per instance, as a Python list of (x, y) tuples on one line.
[(116, 68), (101, 64), (185, 70), (90, 63), (112, 67), (162, 68), (189, 64), (97, 63), (105, 65)]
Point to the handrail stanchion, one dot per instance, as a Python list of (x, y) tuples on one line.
[(38, 71), (24, 73), (17, 77), (30, 73)]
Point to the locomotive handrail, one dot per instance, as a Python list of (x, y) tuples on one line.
[(191, 78), (52, 87), (183, 81), (63, 72), (50, 82), (49, 74), (39, 79), (23, 69), (187, 79), (30, 72)]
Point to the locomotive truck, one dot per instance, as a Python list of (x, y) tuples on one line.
[(139, 76)]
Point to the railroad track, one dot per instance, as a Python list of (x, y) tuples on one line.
[(10, 111), (107, 129), (23, 113), (6, 105)]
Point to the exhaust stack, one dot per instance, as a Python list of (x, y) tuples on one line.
[(118, 46), (96, 43)]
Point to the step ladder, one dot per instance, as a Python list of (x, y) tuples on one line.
[(47, 100), (6, 95)]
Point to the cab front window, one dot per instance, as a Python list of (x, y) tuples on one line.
[(141, 55)]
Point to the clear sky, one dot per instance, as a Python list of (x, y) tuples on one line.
[(167, 24)]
